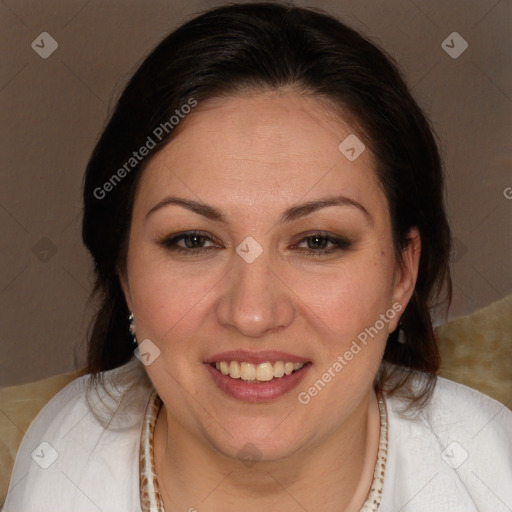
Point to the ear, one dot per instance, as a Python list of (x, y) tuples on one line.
[(125, 285), (406, 271)]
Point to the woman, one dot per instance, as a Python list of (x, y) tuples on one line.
[(266, 218)]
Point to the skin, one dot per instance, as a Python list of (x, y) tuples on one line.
[(252, 157)]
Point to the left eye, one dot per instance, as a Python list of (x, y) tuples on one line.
[(318, 242)]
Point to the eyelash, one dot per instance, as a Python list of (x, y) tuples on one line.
[(170, 243)]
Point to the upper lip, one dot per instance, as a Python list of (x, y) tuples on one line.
[(255, 357)]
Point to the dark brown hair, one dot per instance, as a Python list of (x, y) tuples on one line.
[(258, 47)]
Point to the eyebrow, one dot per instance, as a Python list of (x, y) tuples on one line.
[(291, 214)]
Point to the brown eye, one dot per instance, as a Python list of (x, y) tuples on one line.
[(188, 242), (193, 241), (317, 244)]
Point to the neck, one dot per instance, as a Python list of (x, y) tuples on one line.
[(336, 474)]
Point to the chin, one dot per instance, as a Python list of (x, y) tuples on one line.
[(260, 447)]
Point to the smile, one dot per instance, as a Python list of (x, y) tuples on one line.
[(263, 372), (262, 376)]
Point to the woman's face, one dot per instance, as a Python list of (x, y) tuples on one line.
[(263, 181)]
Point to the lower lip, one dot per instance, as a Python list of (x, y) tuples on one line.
[(257, 391)]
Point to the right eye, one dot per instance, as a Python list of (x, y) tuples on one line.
[(190, 242)]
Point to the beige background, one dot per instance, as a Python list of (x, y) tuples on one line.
[(52, 111)]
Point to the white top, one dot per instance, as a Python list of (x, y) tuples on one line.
[(456, 456)]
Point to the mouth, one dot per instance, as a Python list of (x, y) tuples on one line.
[(257, 373), (257, 377)]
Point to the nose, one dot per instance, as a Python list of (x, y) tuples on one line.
[(255, 300)]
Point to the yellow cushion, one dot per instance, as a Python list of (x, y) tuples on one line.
[(476, 350)]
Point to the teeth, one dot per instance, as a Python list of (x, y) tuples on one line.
[(278, 369), (262, 372), (247, 371), (234, 370)]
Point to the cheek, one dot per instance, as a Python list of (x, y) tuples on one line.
[(167, 300), (355, 313), (350, 296)]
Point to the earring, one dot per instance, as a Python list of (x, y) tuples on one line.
[(401, 334), (131, 320), (398, 335)]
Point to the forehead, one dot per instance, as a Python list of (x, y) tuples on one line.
[(278, 123), (278, 144)]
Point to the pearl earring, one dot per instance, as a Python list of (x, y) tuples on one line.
[(131, 320), (401, 334)]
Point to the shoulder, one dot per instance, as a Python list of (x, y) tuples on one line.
[(81, 450), (451, 454), (455, 406)]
